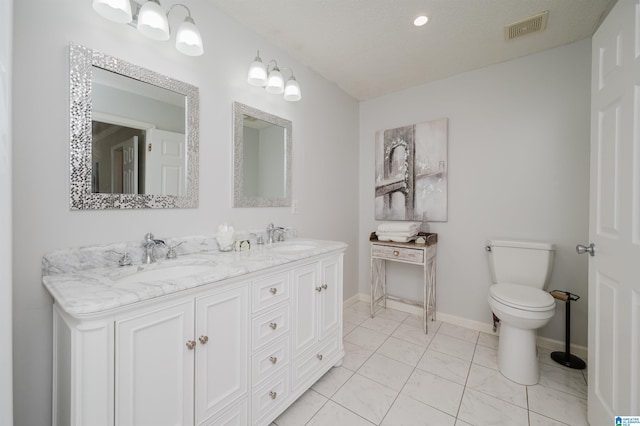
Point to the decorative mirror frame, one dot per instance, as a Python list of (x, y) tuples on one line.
[(239, 198), (81, 61)]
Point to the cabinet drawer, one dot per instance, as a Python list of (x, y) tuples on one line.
[(316, 359), (269, 398), (270, 360), (269, 326), (269, 291), (398, 253), (237, 415)]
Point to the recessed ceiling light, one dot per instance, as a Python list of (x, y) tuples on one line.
[(420, 20)]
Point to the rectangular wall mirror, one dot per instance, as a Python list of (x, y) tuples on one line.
[(262, 158), (134, 136)]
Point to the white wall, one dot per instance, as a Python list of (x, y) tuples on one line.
[(325, 158), (6, 29), (518, 168)]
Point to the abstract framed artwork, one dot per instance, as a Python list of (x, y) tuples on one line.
[(411, 172)]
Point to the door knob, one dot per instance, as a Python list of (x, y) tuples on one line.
[(586, 249)]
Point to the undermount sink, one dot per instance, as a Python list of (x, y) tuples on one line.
[(292, 247), (165, 273)]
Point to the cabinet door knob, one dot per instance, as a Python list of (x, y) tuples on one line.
[(319, 289), (273, 359), (203, 339), (396, 253), (273, 394), (273, 290), (191, 344), (319, 357), (273, 325), (324, 286)]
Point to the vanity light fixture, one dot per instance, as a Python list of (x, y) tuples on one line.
[(270, 78), (151, 21)]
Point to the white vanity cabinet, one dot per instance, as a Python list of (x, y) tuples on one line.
[(235, 352)]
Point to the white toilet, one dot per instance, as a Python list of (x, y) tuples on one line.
[(520, 271)]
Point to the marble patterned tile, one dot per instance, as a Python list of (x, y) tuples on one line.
[(452, 346), (354, 316), (413, 335), (366, 398), (348, 327), (536, 419), (402, 351), (392, 314), (329, 384), (486, 356), (435, 391), (462, 423), (478, 408), (366, 338), (557, 405), (563, 379), (416, 321), (459, 332), (381, 325), (386, 371), (407, 411), (491, 382), (361, 307), (488, 340), (336, 415), (355, 356), (445, 366), (302, 410)]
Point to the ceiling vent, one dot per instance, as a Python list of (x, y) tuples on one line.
[(533, 24)]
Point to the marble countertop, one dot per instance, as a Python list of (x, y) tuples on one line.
[(88, 291)]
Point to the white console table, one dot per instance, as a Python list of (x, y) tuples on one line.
[(410, 253)]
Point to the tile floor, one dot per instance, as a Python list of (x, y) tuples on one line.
[(393, 374)]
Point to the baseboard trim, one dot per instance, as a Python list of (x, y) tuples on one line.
[(545, 342)]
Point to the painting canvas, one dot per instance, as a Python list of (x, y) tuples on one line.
[(411, 172)]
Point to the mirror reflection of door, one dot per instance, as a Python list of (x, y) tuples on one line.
[(124, 167), (165, 163)]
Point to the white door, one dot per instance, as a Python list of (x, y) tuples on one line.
[(154, 368), (330, 306), (222, 354), (124, 167), (614, 226), (306, 291), (165, 163)]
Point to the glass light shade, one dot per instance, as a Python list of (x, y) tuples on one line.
[(114, 10), (188, 39), (292, 91), (152, 21), (275, 82), (257, 73)]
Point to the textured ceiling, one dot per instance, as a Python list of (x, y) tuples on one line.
[(370, 47)]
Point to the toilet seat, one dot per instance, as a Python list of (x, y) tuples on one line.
[(522, 297)]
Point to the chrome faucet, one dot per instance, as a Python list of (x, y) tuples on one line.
[(271, 230), (149, 244)]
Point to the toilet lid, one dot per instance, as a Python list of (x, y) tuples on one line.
[(522, 297)]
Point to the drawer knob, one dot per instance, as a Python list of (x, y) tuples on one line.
[(273, 359), (273, 325), (273, 394), (273, 290), (396, 253), (203, 339), (191, 344), (319, 357)]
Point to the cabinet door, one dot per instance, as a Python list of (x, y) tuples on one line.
[(305, 305), (222, 354), (331, 296), (154, 368)]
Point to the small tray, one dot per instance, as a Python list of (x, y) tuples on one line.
[(430, 238)]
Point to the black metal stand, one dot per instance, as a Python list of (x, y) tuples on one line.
[(566, 358)]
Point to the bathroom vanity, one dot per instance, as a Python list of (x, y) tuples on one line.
[(209, 338)]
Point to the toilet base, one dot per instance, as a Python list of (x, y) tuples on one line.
[(517, 354)]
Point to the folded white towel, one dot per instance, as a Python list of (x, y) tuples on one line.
[(399, 226), (397, 234), (396, 239)]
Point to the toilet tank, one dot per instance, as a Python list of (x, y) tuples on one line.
[(521, 262)]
